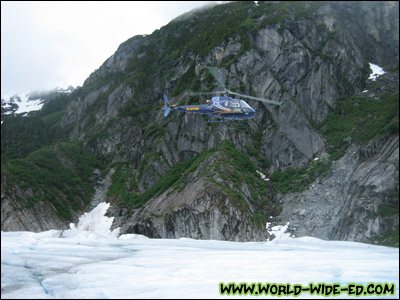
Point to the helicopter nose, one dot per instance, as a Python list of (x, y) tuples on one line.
[(249, 112)]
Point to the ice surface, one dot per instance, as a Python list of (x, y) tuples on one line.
[(86, 264)]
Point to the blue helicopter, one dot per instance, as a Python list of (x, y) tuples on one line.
[(220, 108)]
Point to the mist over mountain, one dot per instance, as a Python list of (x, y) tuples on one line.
[(329, 152)]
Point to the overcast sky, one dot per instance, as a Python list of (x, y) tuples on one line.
[(49, 44)]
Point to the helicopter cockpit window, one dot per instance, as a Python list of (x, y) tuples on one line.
[(232, 105), (235, 106), (244, 104), (245, 107), (225, 103)]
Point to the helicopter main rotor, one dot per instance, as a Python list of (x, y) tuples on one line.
[(215, 72)]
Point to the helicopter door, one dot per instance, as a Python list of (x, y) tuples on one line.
[(235, 106)]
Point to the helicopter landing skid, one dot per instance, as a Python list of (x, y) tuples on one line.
[(236, 123)]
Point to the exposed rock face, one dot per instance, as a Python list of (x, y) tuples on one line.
[(201, 211), (379, 21), (16, 217), (344, 205), (40, 218), (19, 214), (74, 119), (120, 59), (369, 187)]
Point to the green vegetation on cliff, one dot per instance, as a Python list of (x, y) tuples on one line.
[(21, 135), (361, 120), (60, 175)]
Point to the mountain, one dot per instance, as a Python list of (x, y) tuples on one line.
[(329, 151), (33, 101)]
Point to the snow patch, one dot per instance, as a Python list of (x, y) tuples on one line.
[(23, 103), (25, 106), (376, 72), (278, 232), (263, 176)]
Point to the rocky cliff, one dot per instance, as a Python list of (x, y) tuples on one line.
[(306, 55), (218, 195), (361, 186)]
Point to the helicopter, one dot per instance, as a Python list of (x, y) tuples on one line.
[(220, 108)]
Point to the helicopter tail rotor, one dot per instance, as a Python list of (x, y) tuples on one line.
[(166, 106)]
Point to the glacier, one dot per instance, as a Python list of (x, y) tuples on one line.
[(91, 261)]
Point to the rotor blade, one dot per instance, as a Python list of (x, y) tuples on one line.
[(256, 98), (206, 93), (166, 102), (166, 111), (217, 75)]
